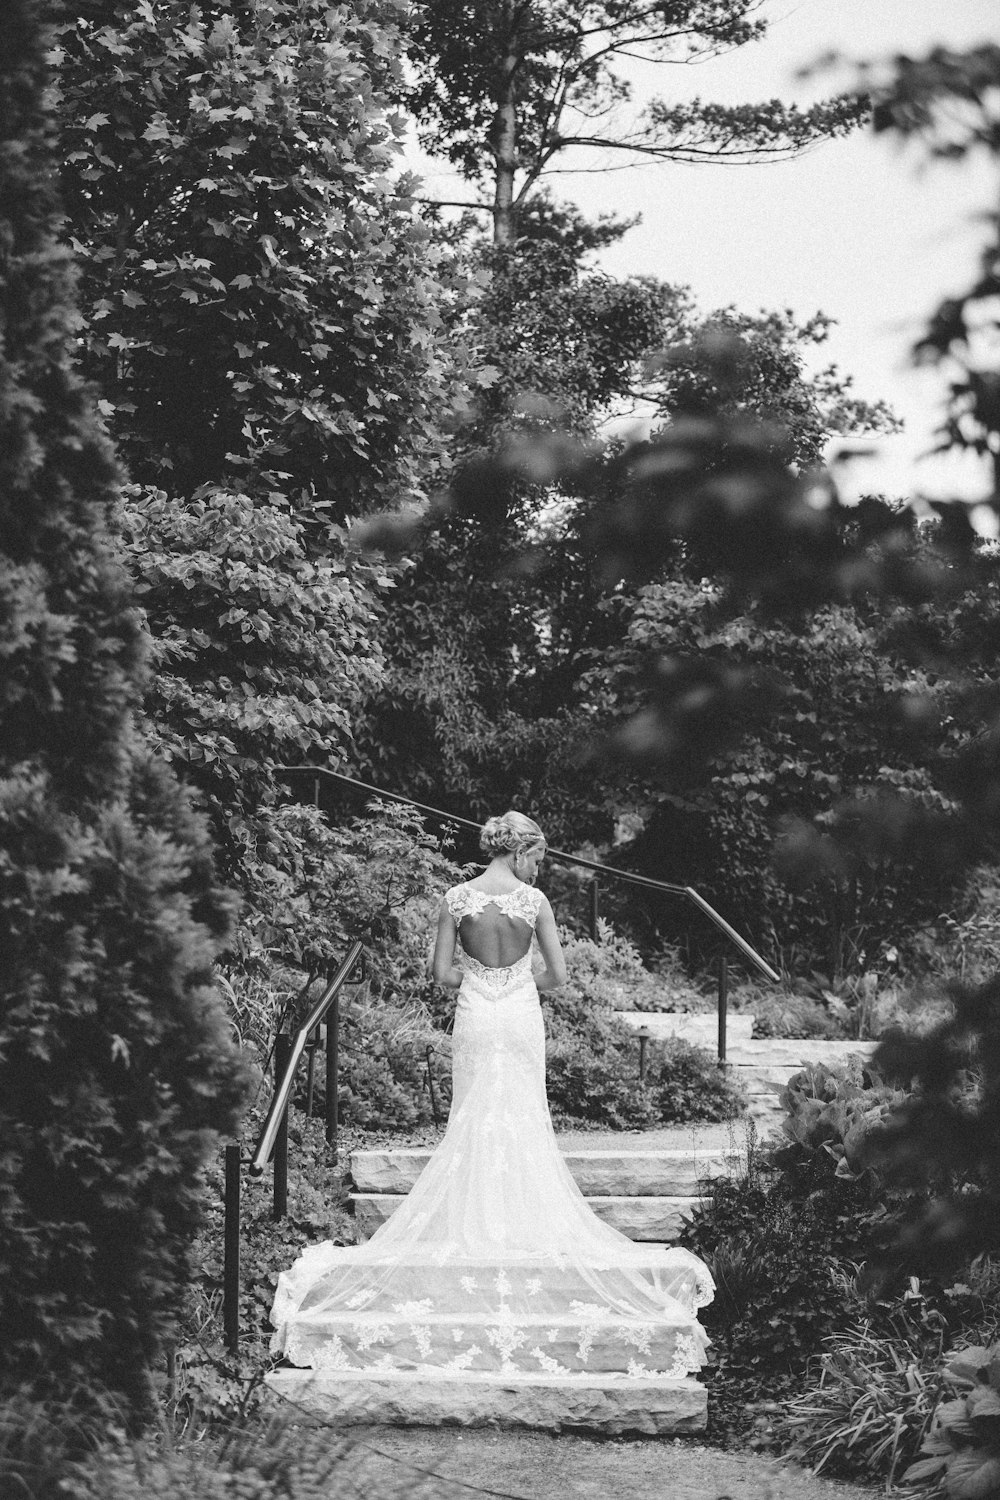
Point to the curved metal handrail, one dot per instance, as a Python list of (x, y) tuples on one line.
[(283, 1086), (687, 891)]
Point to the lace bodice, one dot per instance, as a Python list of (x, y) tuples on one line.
[(467, 901)]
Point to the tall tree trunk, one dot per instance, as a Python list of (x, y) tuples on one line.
[(504, 134)]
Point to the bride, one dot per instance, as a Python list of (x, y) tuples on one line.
[(494, 1262)]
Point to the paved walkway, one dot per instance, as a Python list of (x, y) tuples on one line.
[(446, 1464)]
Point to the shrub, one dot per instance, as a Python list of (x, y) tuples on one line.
[(116, 1070), (683, 1084), (962, 1449), (876, 1396), (834, 1110), (777, 1013), (601, 1089), (257, 1461), (773, 1239)]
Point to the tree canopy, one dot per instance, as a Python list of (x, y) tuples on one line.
[(260, 303), (505, 89), (117, 1071)]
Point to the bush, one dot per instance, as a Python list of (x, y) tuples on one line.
[(279, 1459), (876, 1396), (773, 1240), (776, 1013), (116, 1069), (683, 1084), (962, 1450)]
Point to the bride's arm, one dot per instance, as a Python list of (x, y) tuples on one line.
[(554, 974), (444, 969)]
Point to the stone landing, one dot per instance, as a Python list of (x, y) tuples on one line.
[(609, 1405)]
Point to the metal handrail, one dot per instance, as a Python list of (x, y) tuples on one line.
[(687, 891), (283, 1086)]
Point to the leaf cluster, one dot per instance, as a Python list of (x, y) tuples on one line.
[(259, 303), (559, 67)]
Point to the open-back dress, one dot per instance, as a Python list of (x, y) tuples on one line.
[(494, 1261)]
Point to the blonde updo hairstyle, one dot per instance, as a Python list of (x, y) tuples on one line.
[(513, 833)]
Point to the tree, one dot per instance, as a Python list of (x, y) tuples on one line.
[(945, 104), (261, 650), (272, 330), (506, 88), (117, 1074), (261, 306), (821, 725), (504, 634)]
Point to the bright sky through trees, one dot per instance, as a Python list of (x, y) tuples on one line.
[(853, 227)]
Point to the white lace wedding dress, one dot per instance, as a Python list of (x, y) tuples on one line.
[(493, 1262)]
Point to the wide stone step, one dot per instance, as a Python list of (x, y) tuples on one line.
[(647, 1218), (558, 1343), (610, 1405), (619, 1174), (796, 1052), (701, 1030)]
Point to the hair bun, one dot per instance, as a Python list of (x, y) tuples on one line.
[(511, 833)]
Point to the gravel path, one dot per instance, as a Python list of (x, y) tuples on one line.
[(446, 1464)]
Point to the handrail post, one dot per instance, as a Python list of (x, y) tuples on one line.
[(231, 1260), (723, 1007), (595, 908), (282, 1052), (332, 1072)]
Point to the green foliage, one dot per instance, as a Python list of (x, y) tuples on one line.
[(963, 1445), (945, 105), (835, 1110), (318, 885), (261, 646), (825, 725), (775, 1234), (504, 91), (592, 1070), (875, 1399), (117, 1074), (253, 1460), (778, 1013), (771, 1240), (765, 373), (260, 305)]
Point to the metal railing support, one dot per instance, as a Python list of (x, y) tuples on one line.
[(723, 1008), (331, 1102), (284, 1080), (595, 908), (282, 1054), (231, 1257)]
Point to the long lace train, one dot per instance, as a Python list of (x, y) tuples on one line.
[(494, 1261)]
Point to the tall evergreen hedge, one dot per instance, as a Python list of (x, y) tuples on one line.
[(116, 1069)]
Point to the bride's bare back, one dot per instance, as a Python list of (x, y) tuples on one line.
[(494, 938), (494, 923)]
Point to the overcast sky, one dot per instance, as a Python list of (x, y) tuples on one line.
[(853, 228)]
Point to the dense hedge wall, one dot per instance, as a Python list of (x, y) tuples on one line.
[(116, 1068)]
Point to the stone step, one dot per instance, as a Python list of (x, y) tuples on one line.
[(658, 1219), (702, 1030), (796, 1052), (610, 1405), (621, 1174), (571, 1343)]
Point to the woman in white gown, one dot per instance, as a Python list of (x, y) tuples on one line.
[(494, 1262)]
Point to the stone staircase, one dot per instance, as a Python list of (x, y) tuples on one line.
[(643, 1191), (642, 1184)]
